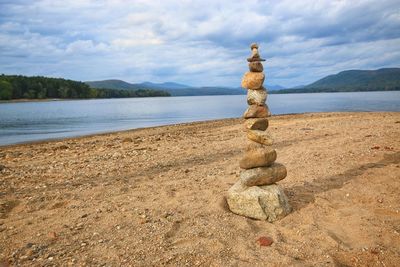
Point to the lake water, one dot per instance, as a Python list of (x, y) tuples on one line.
[(33, 121)]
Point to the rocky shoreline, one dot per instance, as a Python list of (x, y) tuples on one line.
[(154, 196)]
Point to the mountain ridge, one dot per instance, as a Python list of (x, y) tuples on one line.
[(358, 78), (175, 89), (383, 79)]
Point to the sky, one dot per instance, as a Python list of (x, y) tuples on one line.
[(198, 43)]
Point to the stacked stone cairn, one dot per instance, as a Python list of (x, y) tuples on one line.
[(256, 194)]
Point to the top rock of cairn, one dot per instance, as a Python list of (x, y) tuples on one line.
[(255, 56)]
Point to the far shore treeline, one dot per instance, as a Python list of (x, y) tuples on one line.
[(38, 87)]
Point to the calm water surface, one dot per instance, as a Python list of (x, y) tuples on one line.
[(32, 121)]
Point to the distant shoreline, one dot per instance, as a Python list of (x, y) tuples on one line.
[(25, 100), (321, 90), (21, 100), (274, 92)]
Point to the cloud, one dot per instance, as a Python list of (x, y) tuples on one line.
[(196, 42)]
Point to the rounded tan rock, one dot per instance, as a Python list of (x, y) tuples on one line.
[(261, 137), (253, 80), (263, 175), (258, 158)]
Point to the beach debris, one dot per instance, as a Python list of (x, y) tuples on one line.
[(256, 195), (127, 140), (62, 147), (265, 241), (52, 235)]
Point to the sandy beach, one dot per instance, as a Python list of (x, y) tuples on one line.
[(155, 196)]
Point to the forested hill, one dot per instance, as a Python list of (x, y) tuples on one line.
[(382, 79), (17, 86), (352, 81)]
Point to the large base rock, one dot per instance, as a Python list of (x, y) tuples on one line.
[(267, 202)]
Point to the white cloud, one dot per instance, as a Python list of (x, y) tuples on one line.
[(196, 42), (85, 46)]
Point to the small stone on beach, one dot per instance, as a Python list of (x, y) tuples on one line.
[(265, 241)]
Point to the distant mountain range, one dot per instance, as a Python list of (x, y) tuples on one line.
[(381, 78), (387, 79), (175, 89), (122, 85), (345, 81)]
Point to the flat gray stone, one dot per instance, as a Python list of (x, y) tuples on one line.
[(263, 175), (254, 59), (267, 202)]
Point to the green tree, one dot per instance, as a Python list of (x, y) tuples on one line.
[(42, 93), (31, 94), (63, 92), (93, 93), (6, 90)]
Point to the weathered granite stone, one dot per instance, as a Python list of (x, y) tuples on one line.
[(263, 175), (257, 97), (258, 202), (258, 158), (261, 137), (256, 124), (257, 111), (253, 80), (256, 66)]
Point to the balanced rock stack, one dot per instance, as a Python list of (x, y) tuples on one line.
[(256, 195)]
